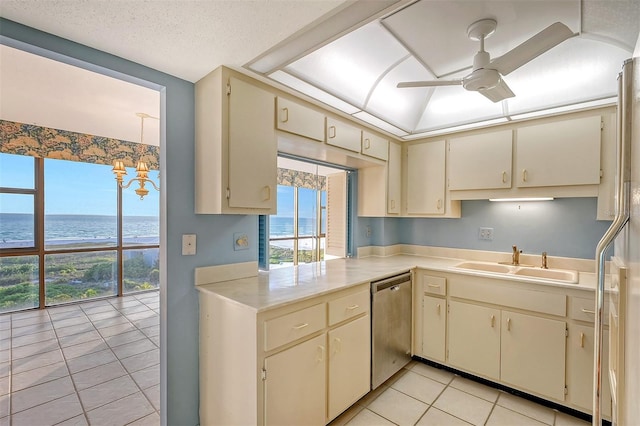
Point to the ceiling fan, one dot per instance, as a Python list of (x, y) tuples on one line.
[(486, 76)]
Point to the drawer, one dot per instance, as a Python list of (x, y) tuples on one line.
[(583, 308), (287, 328), (348, 306), (434, 285)]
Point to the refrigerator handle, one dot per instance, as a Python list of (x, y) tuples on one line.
[(622, 192)]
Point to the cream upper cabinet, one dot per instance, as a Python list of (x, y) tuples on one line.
[(394, 178), (426, 178), (295, 386), (343, 135), (533, 353), (236, 146), (380, 187), (295, 118), (480, 161), (559, 153), (374, 146), (474, 339)]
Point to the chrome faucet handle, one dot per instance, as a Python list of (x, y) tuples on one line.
[(544, 260), (515, 257)]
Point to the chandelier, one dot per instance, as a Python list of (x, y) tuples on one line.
[(142, 169)]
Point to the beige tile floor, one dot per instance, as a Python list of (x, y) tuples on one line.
[(94, 363), (422, 395)]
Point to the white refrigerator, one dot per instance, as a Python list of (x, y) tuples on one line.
[(623, 369)]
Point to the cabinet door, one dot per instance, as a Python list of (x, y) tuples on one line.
[(474, 338), (295, 387), (349, 364), (433, 328), (343, 135), (394, 178), (374, 146), (300, 120), (533, 353), (426, 178), (580, 368), (252, 148), (561, 153), (480, 161)]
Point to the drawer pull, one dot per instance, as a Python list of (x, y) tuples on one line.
[(337, 345), (493, 321), (284, 117), (508, 324), (524, 175), (587, 311), (300, 326), (352, 307), (582, 340), (504, 177), (433, 285), (367, 144), (438, 308), (332, 132)]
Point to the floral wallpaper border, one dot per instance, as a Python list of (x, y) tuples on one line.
[(300, 179), (37, 141)]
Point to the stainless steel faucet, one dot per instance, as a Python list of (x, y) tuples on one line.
[(515, 257), (544, 260)]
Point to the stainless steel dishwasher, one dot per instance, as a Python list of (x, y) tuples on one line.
[(390, 326)]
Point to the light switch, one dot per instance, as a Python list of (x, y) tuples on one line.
[(188, 244)]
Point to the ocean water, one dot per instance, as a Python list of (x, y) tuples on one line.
[(283, 226), (17, 230)]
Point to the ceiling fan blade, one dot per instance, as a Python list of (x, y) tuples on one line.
[(433, 83), (497, 93), (532, 48)]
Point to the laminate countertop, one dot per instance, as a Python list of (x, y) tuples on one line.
[(282, 286)]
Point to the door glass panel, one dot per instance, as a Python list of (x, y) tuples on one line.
[(141, 269), (17, 222), (307, 212), (281, 225), (71, 277), (80, 205), (17, 171), (307, 250), (280, 253), (18, 283)]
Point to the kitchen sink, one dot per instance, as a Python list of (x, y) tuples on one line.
[(562, 275), (550, 274), (485, 267)]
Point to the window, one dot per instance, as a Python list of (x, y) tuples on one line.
[(69, 233), (305, 221)]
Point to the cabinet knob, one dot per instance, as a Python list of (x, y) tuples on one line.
[(493, 321), (332, 132), (582, 340), (508, 324), (284, 115), (320, 354), (367, 143), (504, 177), (524, 175), (439, 205), (438, 308), (267, 192), (393, 204)]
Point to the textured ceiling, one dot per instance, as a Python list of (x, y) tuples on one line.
[(187, 39)]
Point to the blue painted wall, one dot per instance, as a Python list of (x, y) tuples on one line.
[(215, 233), (562, 227)]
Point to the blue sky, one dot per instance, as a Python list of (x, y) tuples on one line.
[(73, 188), (306, 202)]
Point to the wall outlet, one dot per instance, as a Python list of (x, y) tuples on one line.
[(485, 234), (188, 244)]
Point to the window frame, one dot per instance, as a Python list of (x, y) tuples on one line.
[(41, 251)]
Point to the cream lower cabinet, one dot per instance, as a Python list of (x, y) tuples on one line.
[(349, 364), (433, 327), (302, 363), (474, 339), (532, 353), (580, 368), (295, 386)]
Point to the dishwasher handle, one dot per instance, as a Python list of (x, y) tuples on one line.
[(391, 282)]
